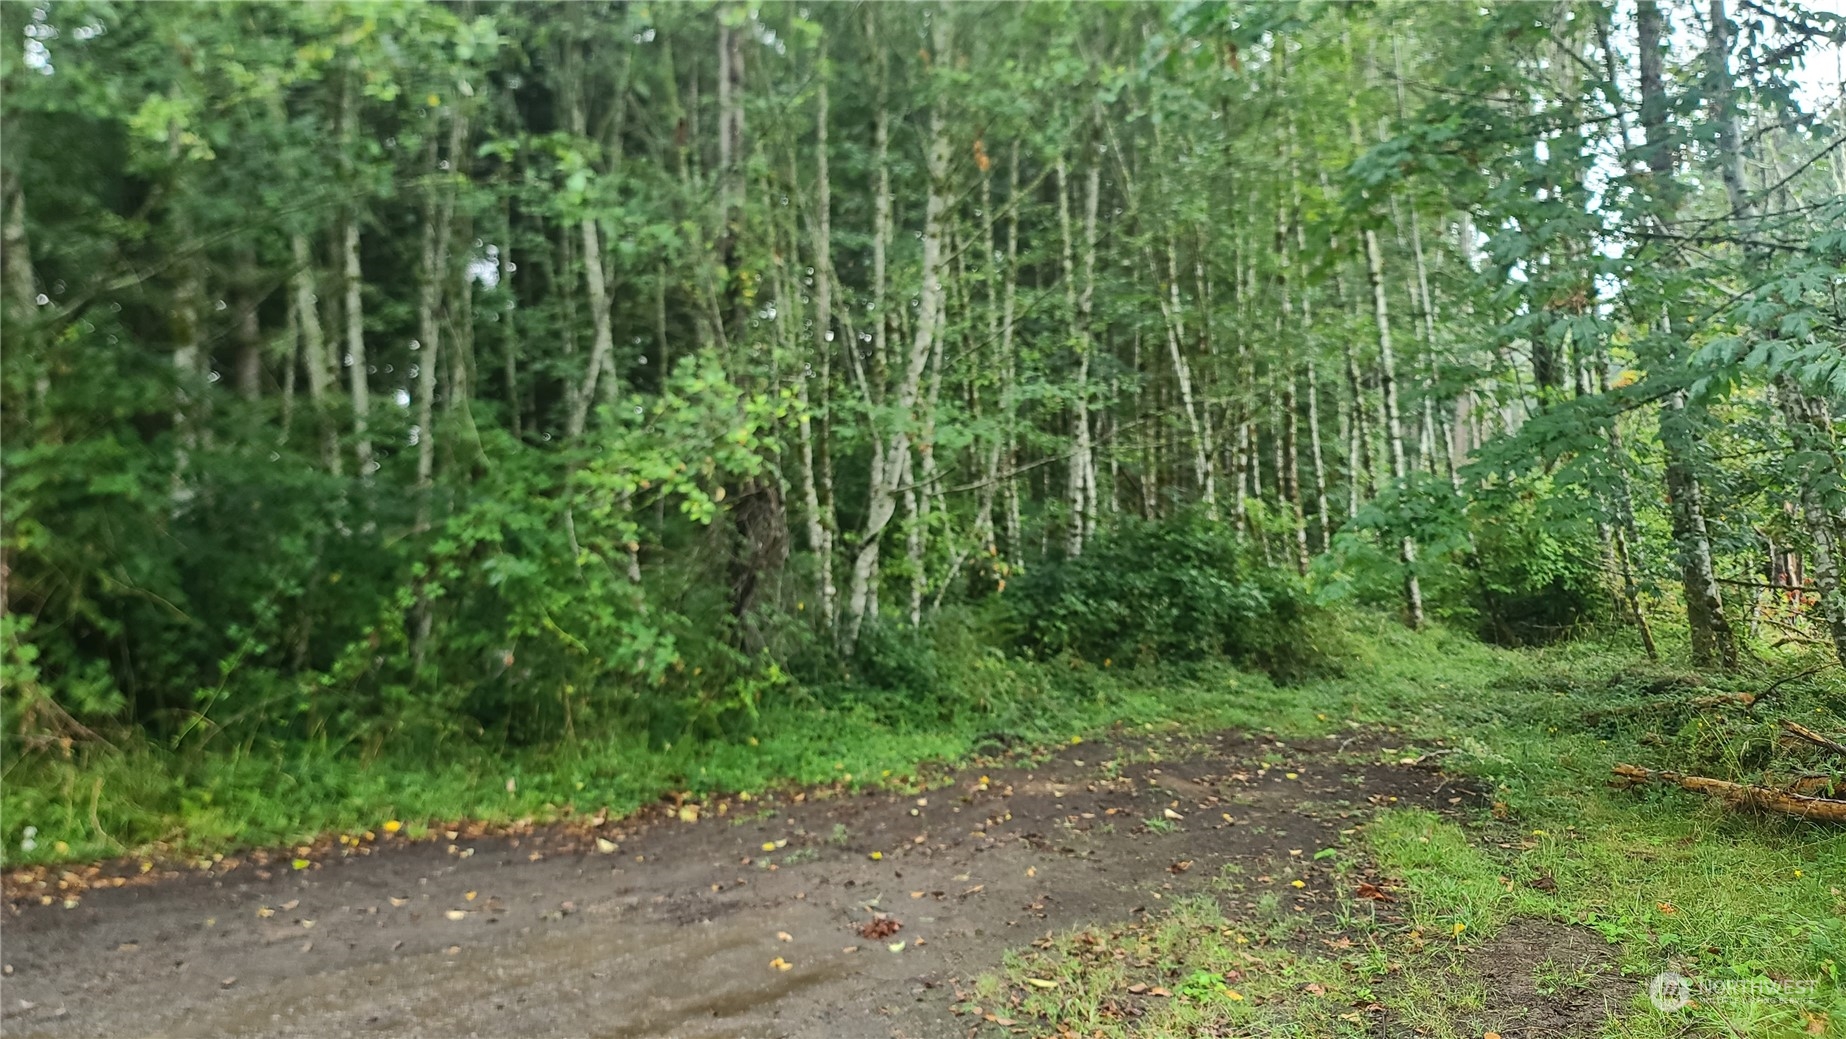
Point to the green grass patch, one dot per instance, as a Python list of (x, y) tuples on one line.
[(1657, 879)]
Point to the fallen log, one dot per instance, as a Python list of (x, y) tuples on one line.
[(1741, 795), (1822, 785), (1802, 732)]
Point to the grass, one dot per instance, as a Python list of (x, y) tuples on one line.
[(1656, 879)]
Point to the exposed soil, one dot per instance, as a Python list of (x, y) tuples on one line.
[(1547, 979), (684, 929)]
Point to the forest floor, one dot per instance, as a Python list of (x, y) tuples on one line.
[(1158, 884)]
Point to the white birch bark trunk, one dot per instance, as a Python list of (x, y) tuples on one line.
[(882, 496)]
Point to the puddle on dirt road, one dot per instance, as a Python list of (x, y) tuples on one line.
[(608, 980)]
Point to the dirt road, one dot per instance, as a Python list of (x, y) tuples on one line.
[(684, 929)]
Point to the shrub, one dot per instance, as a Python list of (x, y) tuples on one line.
[(1171, 590)]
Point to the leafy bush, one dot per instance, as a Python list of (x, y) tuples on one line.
[(1516, 562), (1168, 590), (1535, 574)]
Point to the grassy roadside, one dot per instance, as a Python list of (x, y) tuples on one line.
[(99, 801), (1546, 915)]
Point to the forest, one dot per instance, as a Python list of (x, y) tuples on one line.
[(477, 410)]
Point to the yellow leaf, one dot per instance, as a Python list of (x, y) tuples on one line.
[(1296, 883), (784, 936), (302, 864), (605, 846), (1460, 928), (392, 826), (1234, 996), (470, 895), (265, 912), (1041, 983), (689, 813), (780, 964), (769, 845), (877, 856), (455, 914), (896, 946)]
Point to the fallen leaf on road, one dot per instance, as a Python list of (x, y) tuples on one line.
[(780, 964), (880, 926), (896, 946), (784, 936), (605, 846), (456, 914), (1171, 814)]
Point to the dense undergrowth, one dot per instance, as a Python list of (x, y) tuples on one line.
[(1078, 645)]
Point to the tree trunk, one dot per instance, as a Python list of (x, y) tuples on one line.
[(1394, 429), (602, 343), (1713, 641), (434, 263), (1818, 464), (1077, 301), (885, 478), (316, 355), (819, 522), (1170, 308), (1009, 307)]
